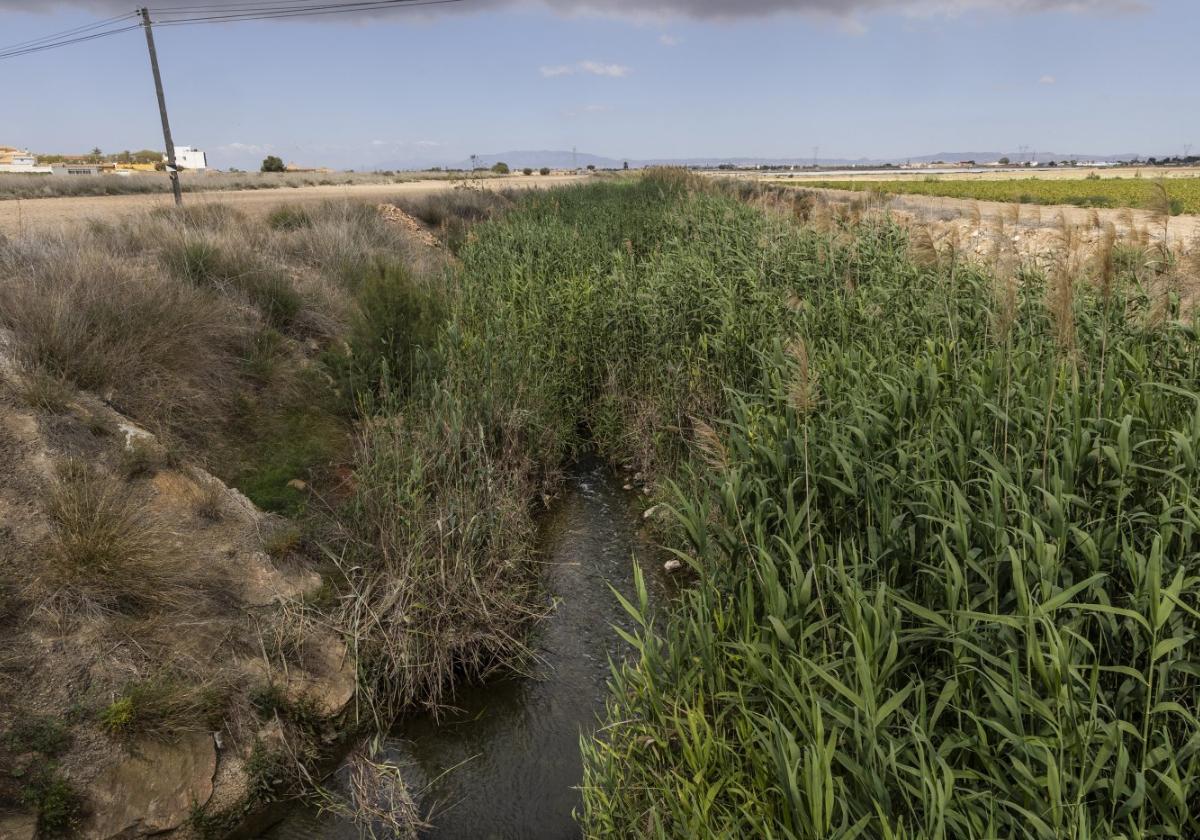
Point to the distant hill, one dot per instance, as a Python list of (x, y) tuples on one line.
[(558, 159)]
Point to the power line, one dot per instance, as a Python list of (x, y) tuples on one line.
[(246, 10), (295, 11), (67, 33), (66, 43)]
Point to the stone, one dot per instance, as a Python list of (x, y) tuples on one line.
[(153, 788), (18, 827), (672, 565)]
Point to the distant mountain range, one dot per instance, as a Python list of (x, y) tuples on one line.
[(519, 159)]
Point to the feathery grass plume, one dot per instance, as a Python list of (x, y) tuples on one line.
[(975, 215), (1013, 212), (1005, 292), (803, 391), (922, 248), (1061, 303), (709, 443), (1160, 207), (1094, 219), (1104, 260), (1125, 218)]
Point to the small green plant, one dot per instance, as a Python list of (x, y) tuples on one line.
[(39, 734), (58, 806), (289, 217), (118, 716), (163, 706)]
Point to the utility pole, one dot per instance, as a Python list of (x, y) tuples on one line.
[(172, 169)]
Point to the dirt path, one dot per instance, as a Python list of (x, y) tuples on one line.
[(42, 214)]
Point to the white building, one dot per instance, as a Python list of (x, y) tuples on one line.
[(188, 158), (19, 160)]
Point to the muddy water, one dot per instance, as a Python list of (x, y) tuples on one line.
[(507, 765)]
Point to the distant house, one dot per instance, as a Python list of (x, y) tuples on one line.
[(20, 160), (78, 168), (188, 158)]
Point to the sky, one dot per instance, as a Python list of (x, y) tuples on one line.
[(623, 79)]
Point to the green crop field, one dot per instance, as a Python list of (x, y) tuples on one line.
[(1182, 194)]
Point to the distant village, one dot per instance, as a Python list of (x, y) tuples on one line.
[(22, 161)]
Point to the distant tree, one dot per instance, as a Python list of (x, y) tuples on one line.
[(273, 164), (1005, 161), (626, 164), (526, 171), (545, 170), (500, 168), (591, 167), (97, 153)]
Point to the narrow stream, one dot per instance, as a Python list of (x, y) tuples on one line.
[(507, 765)]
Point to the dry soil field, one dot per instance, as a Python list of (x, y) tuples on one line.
[(17, 216)]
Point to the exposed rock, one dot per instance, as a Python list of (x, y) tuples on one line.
[(673, 565), (18, 827), (153, 789), (297, 484)]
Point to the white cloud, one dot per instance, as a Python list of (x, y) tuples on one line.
[(670, 40), (1047, 80), (595, 68), (616, 71)]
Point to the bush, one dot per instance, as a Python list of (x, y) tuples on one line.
[(273, 164), (392, 334), (526, 171), (288, 218), (500, 168), (545, 170)]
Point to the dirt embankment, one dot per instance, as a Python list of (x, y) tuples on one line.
[(1030, 229), (40, 214)]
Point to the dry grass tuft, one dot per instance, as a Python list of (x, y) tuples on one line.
[(163, 351), (107, 550)]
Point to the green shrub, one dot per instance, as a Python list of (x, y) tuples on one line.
[(289, 217), (545, 170), (392, 336)]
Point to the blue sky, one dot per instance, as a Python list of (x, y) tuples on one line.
[(683, 78)]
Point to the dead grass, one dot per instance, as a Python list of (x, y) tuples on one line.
[(106, 550), (161, 350)]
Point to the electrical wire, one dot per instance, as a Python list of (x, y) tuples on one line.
[(211, 13), (66, 43), (294, 10), (67, 33)]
